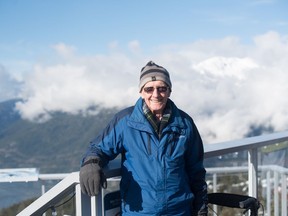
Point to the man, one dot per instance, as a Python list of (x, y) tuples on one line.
[(162, 154)]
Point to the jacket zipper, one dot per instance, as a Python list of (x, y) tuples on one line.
[(149, 145)]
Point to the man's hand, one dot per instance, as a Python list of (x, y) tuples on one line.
[(91, 177)]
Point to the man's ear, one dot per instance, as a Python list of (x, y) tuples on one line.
[(169, 93)]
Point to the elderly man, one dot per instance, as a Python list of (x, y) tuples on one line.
[(162, 154)]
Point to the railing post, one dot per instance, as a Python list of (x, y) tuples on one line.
[(94, 207), (268, 193), (253, 172), (78, 200), (83, 202), (42, 192), (97, 204), (276, 193), (283, 194), (214, 191)]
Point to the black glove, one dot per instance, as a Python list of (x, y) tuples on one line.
[(91, 177)]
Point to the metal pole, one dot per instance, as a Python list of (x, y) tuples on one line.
[(43, 192), (268, 195), (215, 190), (94, 206), (276, 195), (78, 203), (284, 194), (252, 172)]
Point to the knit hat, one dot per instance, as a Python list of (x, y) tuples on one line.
[(153, 72)]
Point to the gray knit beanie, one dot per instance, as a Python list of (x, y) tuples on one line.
[(154, 72)]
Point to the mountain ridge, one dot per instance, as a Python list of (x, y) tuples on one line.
[(53, 146)]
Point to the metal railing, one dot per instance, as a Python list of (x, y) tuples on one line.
[(275, 180), (94, 206)]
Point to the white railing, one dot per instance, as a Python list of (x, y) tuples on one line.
[(94, 206), (85, 205), (275, 180)]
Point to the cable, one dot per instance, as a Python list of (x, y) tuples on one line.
[(263, 210), (53, 208), (65, 201), (212, 210)]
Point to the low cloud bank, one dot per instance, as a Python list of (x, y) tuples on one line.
[(226, 86)]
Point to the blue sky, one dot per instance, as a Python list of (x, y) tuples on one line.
[(227, 58), (31, 26)]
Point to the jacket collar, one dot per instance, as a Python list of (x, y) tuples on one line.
[(138, 120)]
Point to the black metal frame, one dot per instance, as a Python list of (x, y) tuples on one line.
[(235, 201)]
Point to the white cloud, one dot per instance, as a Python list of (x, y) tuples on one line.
[(224, 85), (225, 67), (73, 88), (64, 50), (134, 47)]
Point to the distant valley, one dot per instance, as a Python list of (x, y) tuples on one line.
[(55, 146)]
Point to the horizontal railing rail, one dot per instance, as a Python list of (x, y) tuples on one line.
[(213, 150)]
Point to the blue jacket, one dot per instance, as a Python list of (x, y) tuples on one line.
[(160, 176)]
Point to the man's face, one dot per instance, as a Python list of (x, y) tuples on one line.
[(156, 94)]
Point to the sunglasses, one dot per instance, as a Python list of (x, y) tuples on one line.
[(160, 89)]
